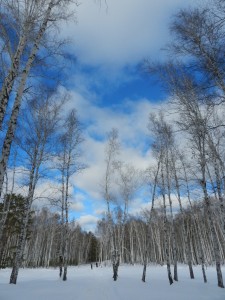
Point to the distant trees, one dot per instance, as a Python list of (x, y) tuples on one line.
[(197, 233), (12, 227), (93, 248), (43, 238)]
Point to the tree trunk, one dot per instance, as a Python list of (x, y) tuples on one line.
[(214, 236), (184, 229), (10, 78), (144, 268), (116, 262), (166, 231), (174, 246), (21, 244), (22, 236), (152, 208), (16, 107)]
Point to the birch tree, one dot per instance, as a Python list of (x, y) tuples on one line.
[(111, 153), (161, 147), (68, 165), (194, 121), (129, 180), (149, 218), (51, 12), (29, 21), (43, 120)]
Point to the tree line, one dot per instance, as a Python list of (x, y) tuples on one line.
[(187, 142), (43, 239)]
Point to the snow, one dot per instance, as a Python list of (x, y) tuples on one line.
[(97, 284)]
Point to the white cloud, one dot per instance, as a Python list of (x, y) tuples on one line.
[(77, 206), (112, 41), (137, 206), (100, 211), (125, 33), (133, 133), (88, 222)]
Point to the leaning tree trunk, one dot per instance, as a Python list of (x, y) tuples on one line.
[(16, 107), (6, 206), (34, 174), (10, 78)]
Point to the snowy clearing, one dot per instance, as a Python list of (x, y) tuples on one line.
[(84, 283)]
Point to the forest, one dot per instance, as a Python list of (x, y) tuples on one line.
[(42, 137)]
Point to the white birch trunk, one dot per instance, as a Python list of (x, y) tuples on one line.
[(16, 107), (145, 259), (23, 232), (216, 246), (166, 242), (9, 80), (65, 257), (184, 229), (174, 246)]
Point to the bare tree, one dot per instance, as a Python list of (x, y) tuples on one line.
[(194, 121), (129, 180), (111, 152), (29, 20), (51, 11), (68, 164), (199, 34), (154, 190), (42, 121)]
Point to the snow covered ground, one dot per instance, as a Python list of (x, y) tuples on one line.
[(97, 284)]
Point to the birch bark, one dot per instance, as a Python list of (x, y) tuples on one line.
[(16, 107)]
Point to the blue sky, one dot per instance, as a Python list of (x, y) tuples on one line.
[(109, 90)]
